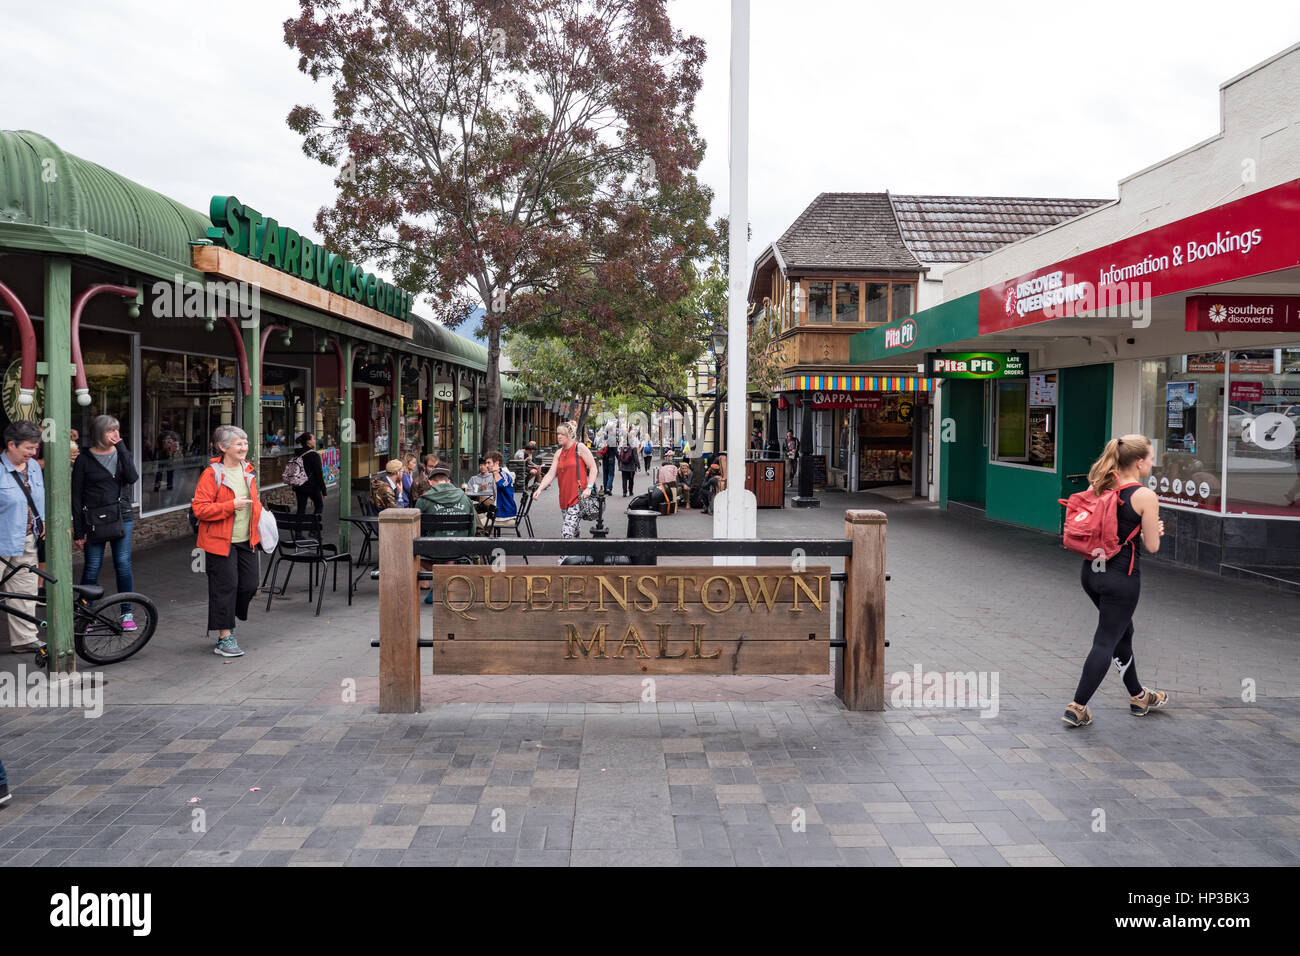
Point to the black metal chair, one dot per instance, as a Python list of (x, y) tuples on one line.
[(520, 519), (438, 525), (300, 543)]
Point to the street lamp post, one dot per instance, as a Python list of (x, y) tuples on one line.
[(719, 343)]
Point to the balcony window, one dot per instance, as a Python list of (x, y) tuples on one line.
[(846, 301), (819, 302), (877, 296), (902, 304)]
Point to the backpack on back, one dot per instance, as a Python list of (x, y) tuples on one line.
[(294, 473), (1092, 525), (625, 454)]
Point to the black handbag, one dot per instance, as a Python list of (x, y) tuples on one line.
[(104, 522)]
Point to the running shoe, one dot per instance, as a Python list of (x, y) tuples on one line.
[(226, 647), (5, 795), (1147, 701), (1077, 716), (128, 621)]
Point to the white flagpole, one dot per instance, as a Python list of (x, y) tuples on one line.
[(738, 253)]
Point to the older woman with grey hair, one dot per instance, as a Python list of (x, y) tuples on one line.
[(101, 506), (226, 506)]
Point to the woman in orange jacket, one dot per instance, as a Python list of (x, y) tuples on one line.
[(226, 505)]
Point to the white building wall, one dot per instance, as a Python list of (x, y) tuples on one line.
[(1258, 147)]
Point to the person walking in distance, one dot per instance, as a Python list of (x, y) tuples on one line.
[(627, 467), (226, 505), (101, 506), (574, 468), (313, 488), (22, 525), (647, 452), (1114, 584)]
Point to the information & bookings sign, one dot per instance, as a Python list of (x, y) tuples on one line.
[(1248, 237), (966, 365)]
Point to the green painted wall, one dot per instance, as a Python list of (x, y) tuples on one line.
[(965, 459), (1023, 496)]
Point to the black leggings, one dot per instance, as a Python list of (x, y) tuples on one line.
[(1115, 593), (315, 497)]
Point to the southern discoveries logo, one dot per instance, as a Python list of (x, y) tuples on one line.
[(1244, 314)]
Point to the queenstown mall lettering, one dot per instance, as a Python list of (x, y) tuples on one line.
[(244, 230), (648, 594)]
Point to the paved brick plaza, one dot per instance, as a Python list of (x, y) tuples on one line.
[(579, 771)]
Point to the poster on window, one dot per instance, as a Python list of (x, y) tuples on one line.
[(1180, 416), (329, 462)]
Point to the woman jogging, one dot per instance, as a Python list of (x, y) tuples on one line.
[(575, 469), (1114, 588)]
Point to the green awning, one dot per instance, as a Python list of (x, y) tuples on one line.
[(948, 322)]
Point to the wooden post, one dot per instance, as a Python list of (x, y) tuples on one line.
[(864, 611), (399, 612)]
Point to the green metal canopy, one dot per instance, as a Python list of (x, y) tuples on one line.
[(41, 185)]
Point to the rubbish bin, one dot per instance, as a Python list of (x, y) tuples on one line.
[(642, 523)]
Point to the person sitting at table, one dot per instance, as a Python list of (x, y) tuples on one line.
[(482, 484), (444, 498), (391, 489), (504, 482)]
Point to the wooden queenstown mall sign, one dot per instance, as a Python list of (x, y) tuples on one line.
[(645, 620)]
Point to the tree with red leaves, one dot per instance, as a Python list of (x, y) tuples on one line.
[(536, 157)]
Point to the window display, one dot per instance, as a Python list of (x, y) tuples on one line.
[(885, 440), (1027, 420), (1264, 432), (184, 398), (1182, 414), (284, 418)]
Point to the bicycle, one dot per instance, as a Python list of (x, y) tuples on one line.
[(98, 634)]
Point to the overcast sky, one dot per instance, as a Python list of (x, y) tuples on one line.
[(1000, 98)]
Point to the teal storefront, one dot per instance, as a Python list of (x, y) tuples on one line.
[(1006, 448)]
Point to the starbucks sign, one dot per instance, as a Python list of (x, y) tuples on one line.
[(12, 383)]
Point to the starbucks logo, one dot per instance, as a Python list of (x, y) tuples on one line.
[(16, 411)]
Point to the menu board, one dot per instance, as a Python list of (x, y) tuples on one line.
[(819, 470), (1042, 389)]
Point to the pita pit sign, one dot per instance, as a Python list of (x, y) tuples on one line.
[(1243, 313), (1249, 237)]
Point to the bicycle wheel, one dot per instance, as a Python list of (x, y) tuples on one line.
[(99, 635)]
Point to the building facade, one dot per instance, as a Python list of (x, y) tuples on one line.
[(1178, 320)]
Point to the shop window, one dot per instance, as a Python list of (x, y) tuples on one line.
[(284, 418), (107, 357), (846, 301), (819, 302), (183, 400), (1263, 423), (1182, 414), (877, 298), (902, 302), (1025, 420)]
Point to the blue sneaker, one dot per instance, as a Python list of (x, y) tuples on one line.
[(226, 647)]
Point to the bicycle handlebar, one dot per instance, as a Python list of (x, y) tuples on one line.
[(15, 568)]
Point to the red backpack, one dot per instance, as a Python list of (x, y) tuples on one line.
[(1092, 524)]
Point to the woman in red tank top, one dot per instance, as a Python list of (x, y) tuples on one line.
[(575, 470)]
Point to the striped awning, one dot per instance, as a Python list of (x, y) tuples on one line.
[(857, 383)]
